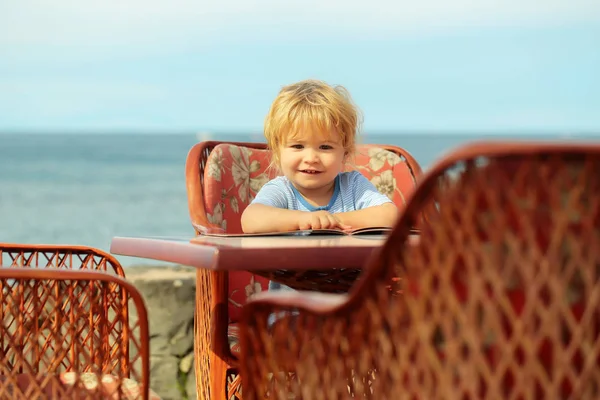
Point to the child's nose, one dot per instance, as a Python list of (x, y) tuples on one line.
[(312, 156)]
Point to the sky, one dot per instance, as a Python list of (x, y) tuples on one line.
[(190, 66)]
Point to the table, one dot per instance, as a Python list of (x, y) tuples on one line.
[(316, 262), (324, 263)]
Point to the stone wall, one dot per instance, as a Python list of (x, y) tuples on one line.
[(169, 293)]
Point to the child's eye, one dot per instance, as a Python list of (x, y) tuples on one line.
[(296, 146), (326, 147)]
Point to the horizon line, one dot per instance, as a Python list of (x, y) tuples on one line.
[(235, 132)]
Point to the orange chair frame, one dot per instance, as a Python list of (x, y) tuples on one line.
[(213, 360)]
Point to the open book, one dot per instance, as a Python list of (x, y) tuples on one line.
[(373, 230)]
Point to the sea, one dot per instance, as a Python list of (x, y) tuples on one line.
[(84, 188)]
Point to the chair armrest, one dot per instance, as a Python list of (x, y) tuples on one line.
[(58, 257)]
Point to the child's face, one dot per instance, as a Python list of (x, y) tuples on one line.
[(311, 160)]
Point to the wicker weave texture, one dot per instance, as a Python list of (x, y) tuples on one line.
[(55, 321), (500, 299), (58, 256), (204, 326)]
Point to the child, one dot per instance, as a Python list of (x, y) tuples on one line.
[(311, 131)]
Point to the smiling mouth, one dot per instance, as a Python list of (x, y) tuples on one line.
[(310, 171)]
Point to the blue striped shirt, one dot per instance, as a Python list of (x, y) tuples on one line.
[(352, 191)]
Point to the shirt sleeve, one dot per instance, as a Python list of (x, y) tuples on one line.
[(272, 194), (365, 193)]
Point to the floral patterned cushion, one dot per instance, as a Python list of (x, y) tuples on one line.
[(242, 285), (389, 172), (107, 388), (234, 174)]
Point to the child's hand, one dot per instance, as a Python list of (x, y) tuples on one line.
[(320, 220)]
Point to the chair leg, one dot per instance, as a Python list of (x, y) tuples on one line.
[(218, 378), (202, 362), (210, 340)]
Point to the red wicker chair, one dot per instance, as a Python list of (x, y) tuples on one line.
[(68, 334), (499, 299), (221, 179), (75, 258)]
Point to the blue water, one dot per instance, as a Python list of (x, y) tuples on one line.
[(85, 189)]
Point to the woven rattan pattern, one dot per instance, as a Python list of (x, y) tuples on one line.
[(338, 280), (204, 325), (66, 258), (501, 295), (51, 256), (56, 321), (53, 325), (234, 386)]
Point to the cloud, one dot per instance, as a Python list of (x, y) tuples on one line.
[(191, 22)]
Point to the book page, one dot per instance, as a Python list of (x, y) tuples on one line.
[(229, 234), (374, 230)]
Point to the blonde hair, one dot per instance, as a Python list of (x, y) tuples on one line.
[(311, 103)]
